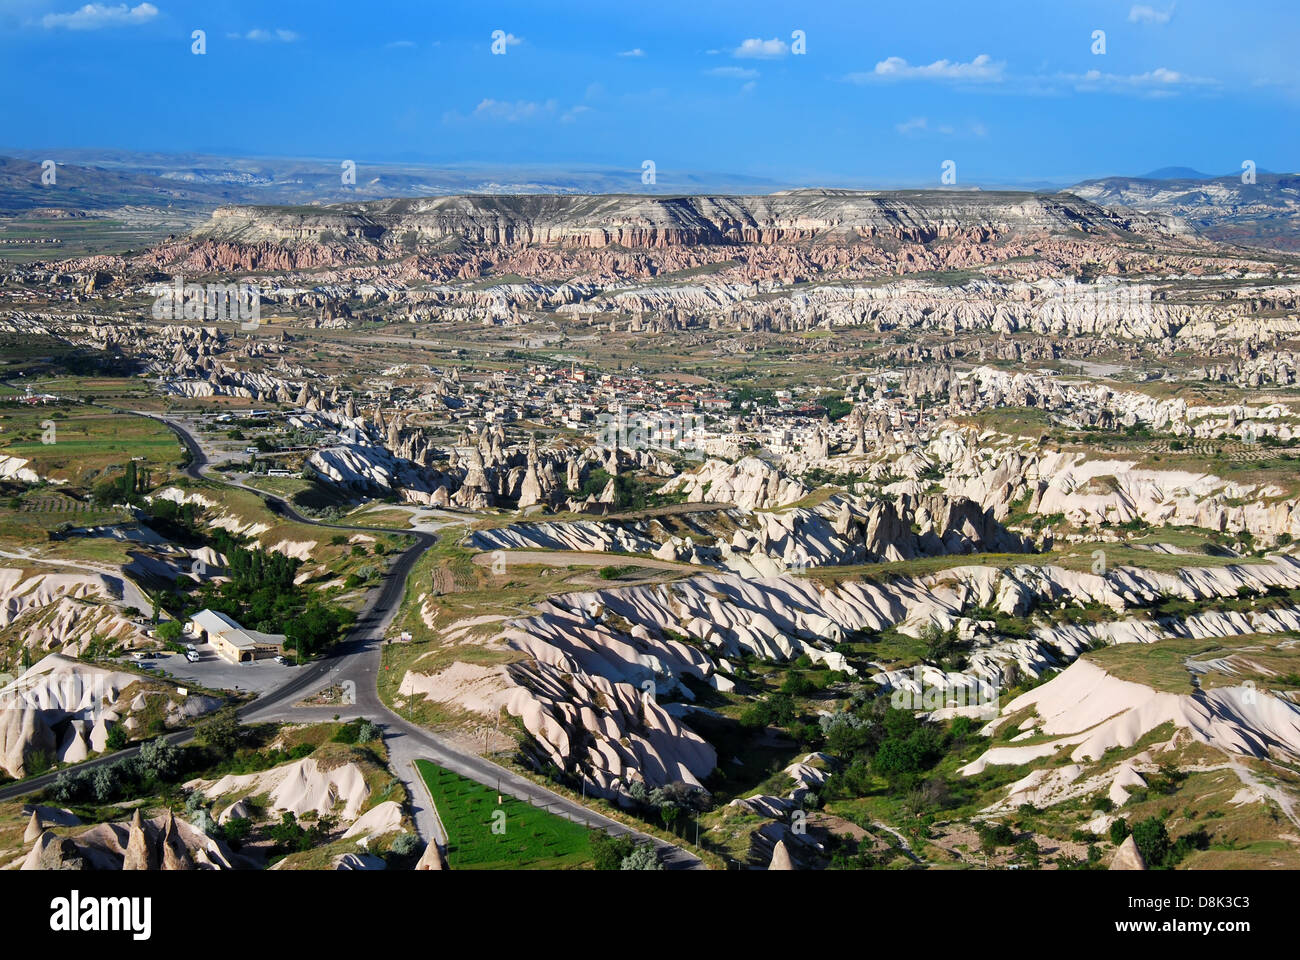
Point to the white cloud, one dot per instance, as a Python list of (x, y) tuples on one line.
[(573, 113), (1158, 82), (93, 16), (734, 73), (634, 52), (511, 40), (762, 49), (259, 35), (982, 69), (1141, 13), (918, 125), (514, 111)]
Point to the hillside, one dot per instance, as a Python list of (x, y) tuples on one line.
[(1263, 213), (654, 221)]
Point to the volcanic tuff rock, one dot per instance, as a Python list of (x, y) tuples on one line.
[(841, 530), (647, 221), (160, 843), (63, 709), (1128, 857), (592, 654)]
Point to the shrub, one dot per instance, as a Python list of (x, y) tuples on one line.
[(405, 844), (70, 786), (994, 835), (221, 732), (610, 852), (1196, 840), (1027, 851), (202, 820), (160, 759), (236, 830), (350, 732), (105, 782), (845, 732), (1118, 830), (643, 857), (797, 685)]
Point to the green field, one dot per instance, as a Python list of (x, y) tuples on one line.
[(531, 838), (75, 236), (84, 441)]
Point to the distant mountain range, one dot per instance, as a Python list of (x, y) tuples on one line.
[(95, 180), (1263, 213)]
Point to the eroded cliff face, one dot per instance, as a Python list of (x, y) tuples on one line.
[(662, 222)]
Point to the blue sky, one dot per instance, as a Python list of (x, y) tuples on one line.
[(883, 95)]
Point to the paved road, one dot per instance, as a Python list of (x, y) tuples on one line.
[(356, 659)]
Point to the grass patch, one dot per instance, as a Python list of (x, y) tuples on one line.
[(512, 835)]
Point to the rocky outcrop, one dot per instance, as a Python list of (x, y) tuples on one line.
[(654, 222), (62, 709), (140, 853), (299, 787), (762, 543), (160, 843), (431, 858), (1127, 856), (749, 483), (781, 859), (52, 852)]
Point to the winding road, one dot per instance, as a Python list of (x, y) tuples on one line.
[(355, 660)]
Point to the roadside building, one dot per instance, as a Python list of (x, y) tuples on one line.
[(231, 641)]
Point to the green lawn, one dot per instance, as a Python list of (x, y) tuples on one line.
[(531, 838)]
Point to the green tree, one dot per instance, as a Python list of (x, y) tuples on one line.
[(610, 852), (220, 732), (169, 631), (1152, 840)]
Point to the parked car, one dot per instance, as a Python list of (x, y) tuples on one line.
[(192, 656), (281, 660)]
